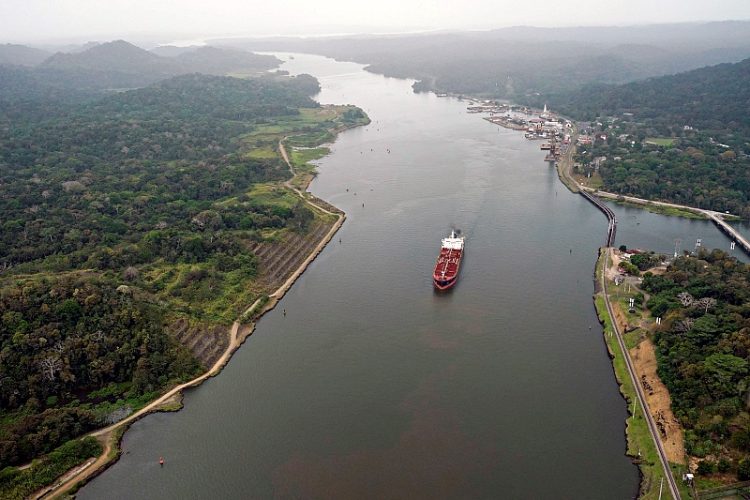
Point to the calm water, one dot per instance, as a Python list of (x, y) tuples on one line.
[(373, 385)]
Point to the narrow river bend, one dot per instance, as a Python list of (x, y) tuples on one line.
[(372, 385)]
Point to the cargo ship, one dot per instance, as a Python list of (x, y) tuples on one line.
[(448, 263)]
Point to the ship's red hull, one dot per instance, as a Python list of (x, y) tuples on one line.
[(446, 270)]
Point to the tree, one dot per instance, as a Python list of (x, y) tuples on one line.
[(706, 467), (685, 299), (50, 366), (706, 302), (743, 469), (130, 273)]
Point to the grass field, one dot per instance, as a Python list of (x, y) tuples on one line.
[(595, 181), (666, 142), (662, 210)]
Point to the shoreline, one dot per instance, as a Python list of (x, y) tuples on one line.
[(643, 444), (564, 169), (111, 437)]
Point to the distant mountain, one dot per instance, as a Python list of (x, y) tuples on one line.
[(696, 35), (219, 61), (514, 63), (714, 97), (21, 55), (112, 56), (119, 64), (172, 50), (125, 58)]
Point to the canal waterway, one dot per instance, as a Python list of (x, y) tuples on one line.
[(374, 386)]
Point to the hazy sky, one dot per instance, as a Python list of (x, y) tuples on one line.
[(46, 20)]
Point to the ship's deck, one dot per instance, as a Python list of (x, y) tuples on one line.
[(447, 263)]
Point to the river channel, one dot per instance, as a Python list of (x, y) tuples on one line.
[(374, 386)]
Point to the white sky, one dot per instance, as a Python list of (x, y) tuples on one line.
[(80, 20)]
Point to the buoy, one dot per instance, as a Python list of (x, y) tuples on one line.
[(161, 461)]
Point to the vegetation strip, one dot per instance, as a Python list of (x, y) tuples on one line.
[(633, 392)]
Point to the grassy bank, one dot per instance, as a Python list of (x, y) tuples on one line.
[(662, 210)]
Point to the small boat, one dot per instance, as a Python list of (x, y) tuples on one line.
[(448, 263)]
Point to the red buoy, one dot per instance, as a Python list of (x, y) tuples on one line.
[(161, 461)]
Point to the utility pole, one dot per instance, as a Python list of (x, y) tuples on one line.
[(661, 486)]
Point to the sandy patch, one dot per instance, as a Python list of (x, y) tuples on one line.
[(612, 271), (659, 402)]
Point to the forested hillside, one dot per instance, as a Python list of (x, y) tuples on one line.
[(125, 218), (683, 138), (714, 98), (77, 171), (704, 354)]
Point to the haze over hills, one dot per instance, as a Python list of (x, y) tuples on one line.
[(113, 56), (713, 97), (21, 55), (512, 62), (172, 50), (675, 35), (126, 57), (215, 60), (120, 64)]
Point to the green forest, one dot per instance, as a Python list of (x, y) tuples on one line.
[(714, 98), (125, 217), (703, 353), (691, 170)]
